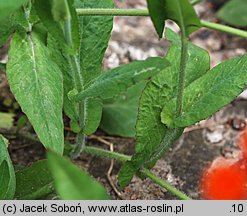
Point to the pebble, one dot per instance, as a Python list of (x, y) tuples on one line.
[(215, 136), (238, 124), (243, 95)]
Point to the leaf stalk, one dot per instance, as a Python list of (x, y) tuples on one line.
[(144, 12), (80, 144), (165, 185), (224, 28), (147, 173), (182, 73)]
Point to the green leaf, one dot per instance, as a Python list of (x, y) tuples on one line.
[(17, 22), (120, 114), (92, 106), (14, 22), (41, 31), (21, 21), (43, 9), (208, 94), (60, 10), (119, 79), (79, 69), (33, 18), (180, 11), (7, 174), (93, 109), (152, 137), (95, 33), (234, 13), (36, 82), (158, 15), (72, 183), (149, 156), (64, 13), (6, 29), (34, 182), (64, 29), (8, 7), (7, 120), (59, 58)]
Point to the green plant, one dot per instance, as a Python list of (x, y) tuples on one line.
[(234, 13), (54, 65)]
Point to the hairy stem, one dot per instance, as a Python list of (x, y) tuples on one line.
[(106, 154), (75, 69), (67, 32), (27, 10), (144, 12), (78, 83), (110, 155), (111, 12), (165, 185), (80, 145), (224, 28), (182, 70), (123, 158)]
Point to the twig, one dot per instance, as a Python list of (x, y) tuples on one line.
[(68, 129), (108, 175), (104, 137)]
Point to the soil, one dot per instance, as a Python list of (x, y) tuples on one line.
[(134, 38)]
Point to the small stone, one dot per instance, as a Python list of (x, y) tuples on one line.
[(127, 190), (215, 136), (243, 95), (238, 124), (240, 52), (213, 43), (113, 61)]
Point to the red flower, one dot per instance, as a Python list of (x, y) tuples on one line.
[(226, 179)]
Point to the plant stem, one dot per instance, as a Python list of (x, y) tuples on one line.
[(164, 184), (123, 158), (111, 12), (106, 154), (115, 156), (80, 144), (144, 12), (78, 83), (75, 69), (182, 71), (224, 28), (27, 10), (67, 33)]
